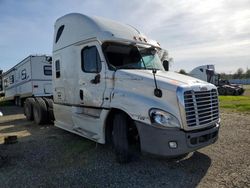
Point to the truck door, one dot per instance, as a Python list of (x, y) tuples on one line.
[(91, 76)]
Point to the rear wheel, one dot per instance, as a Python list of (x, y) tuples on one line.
[(241, 91), (222, 91), (236, 93), (28, 108), (231, 91), (40, 111), (49, 103)]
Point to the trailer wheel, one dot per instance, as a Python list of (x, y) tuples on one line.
[(40, 111), (28, 108), (120, 138)]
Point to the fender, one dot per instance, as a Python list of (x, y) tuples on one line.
[(137, 106)]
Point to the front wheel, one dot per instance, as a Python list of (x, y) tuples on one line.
[(120, 138)]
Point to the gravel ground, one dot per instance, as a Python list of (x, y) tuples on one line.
[(50, 157)]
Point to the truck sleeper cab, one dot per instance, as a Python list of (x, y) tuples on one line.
[(105, 75)]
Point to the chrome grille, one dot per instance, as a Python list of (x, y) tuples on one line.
[(202, 107)]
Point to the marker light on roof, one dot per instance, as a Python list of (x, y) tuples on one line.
[(135, 38), (145, 40)]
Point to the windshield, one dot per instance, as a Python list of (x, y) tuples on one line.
[(122, 56)]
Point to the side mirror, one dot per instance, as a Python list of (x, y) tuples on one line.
[(165, 64)]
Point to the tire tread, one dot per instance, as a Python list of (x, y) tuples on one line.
[(42, 111), (120, 138)]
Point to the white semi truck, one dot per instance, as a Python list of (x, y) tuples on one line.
[(31, 77), (208, 74), (109, 86)]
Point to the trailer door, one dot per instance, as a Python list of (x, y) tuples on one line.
[(91, 76)]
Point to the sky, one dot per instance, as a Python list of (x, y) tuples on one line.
[(194, 32)]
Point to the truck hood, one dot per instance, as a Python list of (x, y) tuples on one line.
[(133, 92), (164, 79)]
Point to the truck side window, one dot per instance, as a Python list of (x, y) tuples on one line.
[(91, 62), (57, 63), (47, 70), (59, 33), (23, 74)]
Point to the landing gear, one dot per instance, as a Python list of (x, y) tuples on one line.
[(18, 101)]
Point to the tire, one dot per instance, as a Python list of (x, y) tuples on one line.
[(120, 138), (231, 91), (241, 91), (40, 111), (222, 91), (236, 93), (49, 103), (28, 108)]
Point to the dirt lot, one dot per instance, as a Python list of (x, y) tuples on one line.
[(50, 157)]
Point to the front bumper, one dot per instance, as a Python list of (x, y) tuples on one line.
[(156, 141)]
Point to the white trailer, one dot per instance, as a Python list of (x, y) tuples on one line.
[(109, 86), (31, 77)]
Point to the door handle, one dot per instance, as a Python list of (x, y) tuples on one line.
[(96, 80), (81, 94)]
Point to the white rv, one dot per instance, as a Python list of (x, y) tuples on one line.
[(30, 78), (109, 86)]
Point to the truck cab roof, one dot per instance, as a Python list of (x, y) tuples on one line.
[(74, 28)]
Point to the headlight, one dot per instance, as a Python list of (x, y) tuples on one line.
[(165, 119)]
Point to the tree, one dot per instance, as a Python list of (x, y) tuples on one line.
[(247, 74), (163, 54), (223, 76), (239, 74), (182, 71)]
